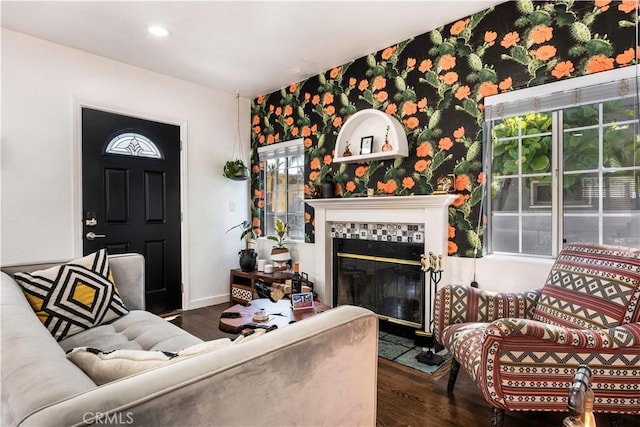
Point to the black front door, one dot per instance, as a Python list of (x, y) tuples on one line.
[(131, 197)]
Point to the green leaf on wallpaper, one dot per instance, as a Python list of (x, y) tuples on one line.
[(367, 96), (474, 77), (463, 48), (474, 240), (391, 173), (534, 66), (445, 102), (588, 18), (300, 111), (425, 135), (599, 47), (525, 6), (434, 119), (371, 60), (625, 24), (577, 50), (478, 17), (344, 99), (321, 140), (471, 107), (436, 37), (580, 32), (409, 95), (520, 54), (487, 75), (461, 167), (439, 158), (474, 150), (540, 17), (564, 18), (474, 61), (434, 51), (398, 162), (462, 224), (432, 78), (447, 48), (465, 208), (476, 195), (523, 21)]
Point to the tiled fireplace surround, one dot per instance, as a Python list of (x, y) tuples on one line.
[(429, 214)]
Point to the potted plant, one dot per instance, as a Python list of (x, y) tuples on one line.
[(248, 255), (279, 252), (236, 170)]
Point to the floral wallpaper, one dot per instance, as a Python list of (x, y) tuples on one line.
[(434, 84)]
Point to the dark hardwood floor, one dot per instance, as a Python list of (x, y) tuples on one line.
[(407, 397)]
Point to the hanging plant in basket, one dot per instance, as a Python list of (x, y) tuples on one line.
[(236, 170)]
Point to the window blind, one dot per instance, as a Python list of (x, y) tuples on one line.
[(293, 147), (533, 102)]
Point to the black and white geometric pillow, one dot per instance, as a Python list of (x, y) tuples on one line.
[(72, 297)]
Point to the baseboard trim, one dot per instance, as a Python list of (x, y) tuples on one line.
[(205, 302)]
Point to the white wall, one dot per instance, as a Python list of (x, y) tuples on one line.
[(41, 85)]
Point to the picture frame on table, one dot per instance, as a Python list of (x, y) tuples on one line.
[(366, 144), (302, 300)]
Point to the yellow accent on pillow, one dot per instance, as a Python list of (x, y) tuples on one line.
[(84, 294)]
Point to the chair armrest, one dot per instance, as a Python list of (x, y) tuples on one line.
[(462, 304), (620, 337)]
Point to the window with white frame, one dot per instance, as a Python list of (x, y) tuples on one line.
[(282, 181), (564, 166)]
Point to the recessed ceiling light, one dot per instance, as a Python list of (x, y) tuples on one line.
[(158, 31)]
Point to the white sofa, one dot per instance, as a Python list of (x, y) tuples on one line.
[(320, 371)]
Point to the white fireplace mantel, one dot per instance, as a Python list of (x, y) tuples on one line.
[(432, 211)]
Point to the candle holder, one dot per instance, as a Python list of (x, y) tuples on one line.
[(435, 276)]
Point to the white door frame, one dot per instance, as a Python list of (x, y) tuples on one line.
[(77, 217)]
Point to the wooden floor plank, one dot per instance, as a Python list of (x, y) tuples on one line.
[(407, 397)]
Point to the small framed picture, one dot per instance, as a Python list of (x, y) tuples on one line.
[(302, 300), (366, 144), (446, 184)]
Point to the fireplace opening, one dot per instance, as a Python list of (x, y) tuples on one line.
[(382, 276)]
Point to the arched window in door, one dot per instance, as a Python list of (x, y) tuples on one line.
[(133, 144)]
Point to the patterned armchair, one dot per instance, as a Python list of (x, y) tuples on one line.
[(523, 349)]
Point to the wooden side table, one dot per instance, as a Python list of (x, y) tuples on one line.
[(243, 283)]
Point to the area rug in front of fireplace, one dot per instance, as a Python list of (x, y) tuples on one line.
[(402, 350)]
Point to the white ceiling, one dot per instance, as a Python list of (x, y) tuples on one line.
[(255, 47)]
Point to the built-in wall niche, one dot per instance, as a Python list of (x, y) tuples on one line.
[(370, 135)]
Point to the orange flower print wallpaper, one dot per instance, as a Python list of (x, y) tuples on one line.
[(434, 84)]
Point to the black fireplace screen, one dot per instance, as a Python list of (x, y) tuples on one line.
[(384, 277)]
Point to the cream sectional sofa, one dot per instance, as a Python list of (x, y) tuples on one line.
[(321, 371)]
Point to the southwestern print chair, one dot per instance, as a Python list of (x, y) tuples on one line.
[(523, 349)]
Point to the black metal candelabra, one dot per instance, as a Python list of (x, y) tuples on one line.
[(434, 269)]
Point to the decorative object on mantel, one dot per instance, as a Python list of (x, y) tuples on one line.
[(237, 169), (435, 276), (446, 184), (386, 146), (369, 122), (280, 255), (347, 152), (248, 256), (328, 187)]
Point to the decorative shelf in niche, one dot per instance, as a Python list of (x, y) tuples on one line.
[(370, 123)]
